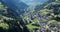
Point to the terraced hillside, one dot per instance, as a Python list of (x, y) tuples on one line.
[(41, 18)]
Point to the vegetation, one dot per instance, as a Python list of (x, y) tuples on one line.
[(47, 19), (9, 23)]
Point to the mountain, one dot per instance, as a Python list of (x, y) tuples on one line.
[(44, 17), (40, 6), (10, 21), (21, 6), (47, 15), (15, 5)]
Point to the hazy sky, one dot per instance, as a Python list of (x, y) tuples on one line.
[(33, 2)]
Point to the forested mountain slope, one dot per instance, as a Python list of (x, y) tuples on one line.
[(46, 19), (11, 22), (42, 18)]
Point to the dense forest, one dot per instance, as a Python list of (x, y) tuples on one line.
[(41, 18)]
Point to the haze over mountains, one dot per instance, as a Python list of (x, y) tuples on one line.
[(22, 4), (30, 15), (17, 4), (33, 2)]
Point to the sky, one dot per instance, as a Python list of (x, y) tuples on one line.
[(33, 2)]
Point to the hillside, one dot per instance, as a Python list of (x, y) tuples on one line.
[(47, 18), (40, 18)]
